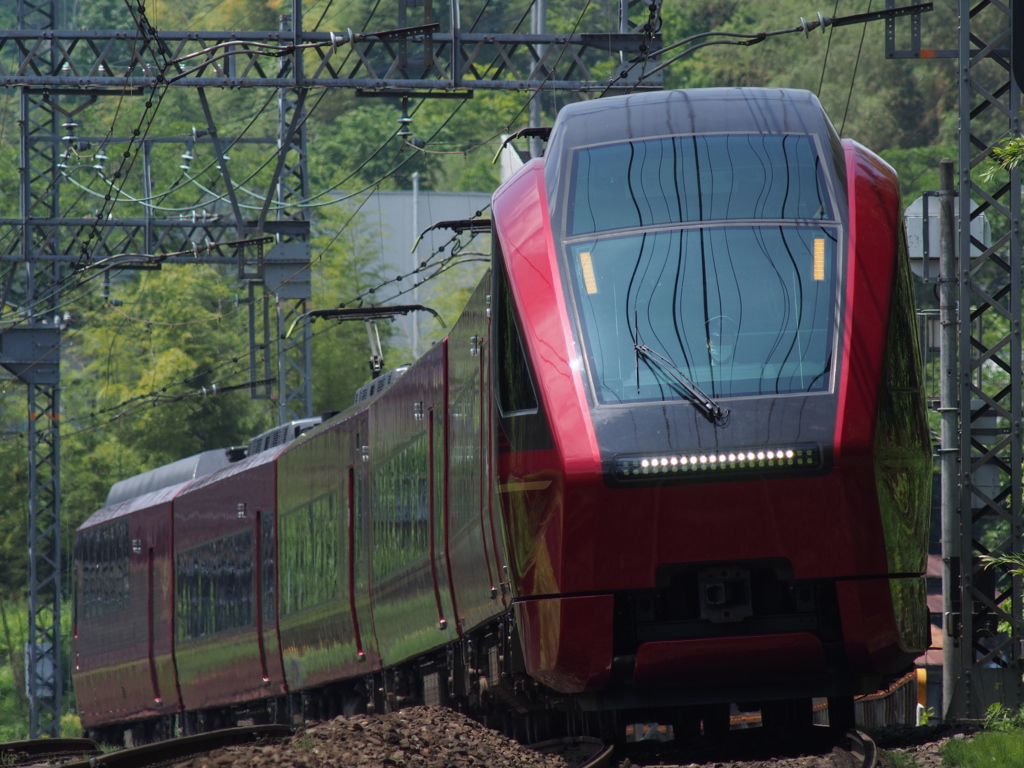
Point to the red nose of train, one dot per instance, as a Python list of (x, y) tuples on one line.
[(713, 460)]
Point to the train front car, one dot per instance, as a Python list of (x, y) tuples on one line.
[(713, 456)]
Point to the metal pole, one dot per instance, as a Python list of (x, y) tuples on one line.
[(147, 194), (539, 26), (415, 262), (949, 447)]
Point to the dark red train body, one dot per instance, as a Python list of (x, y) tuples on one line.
[(673, 453)]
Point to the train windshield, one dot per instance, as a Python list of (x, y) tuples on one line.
[(737, 310), (680, 179)]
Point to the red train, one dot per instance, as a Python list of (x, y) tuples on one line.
[(673, 455)]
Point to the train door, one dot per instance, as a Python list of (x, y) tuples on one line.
[(470, 540), (447, 611), (149, 532), (487, 501), (266, 597), (351, 496), (151, 601), (359, 541)]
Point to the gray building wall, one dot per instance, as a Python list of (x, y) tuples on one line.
[(388, 218)]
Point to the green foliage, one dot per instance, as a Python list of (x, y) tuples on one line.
[(985, 750), (13, 535), (342, 269), (13, 705), (179, 14), (1003, 719), (1006, 156), (100, 14), (354, 151), (898, 758), (918, 168), (1011, 562), (357, 147), (889, 104), (175, 332)]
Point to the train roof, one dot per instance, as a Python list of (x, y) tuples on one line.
[(695, 111), (133, 504), (379, 384), (175, 473), (689, 111), (684, 112), (265, 456), (281, 435)]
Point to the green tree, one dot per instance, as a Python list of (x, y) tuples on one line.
[(135, 376), (882, 103), (343, 269)]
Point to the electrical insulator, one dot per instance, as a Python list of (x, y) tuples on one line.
[(404, 122)]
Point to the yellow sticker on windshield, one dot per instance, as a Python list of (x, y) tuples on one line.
[(819, 258), (588, 272)]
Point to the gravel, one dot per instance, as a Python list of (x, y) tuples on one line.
[(923, 744), (418, 737), (435, 737)]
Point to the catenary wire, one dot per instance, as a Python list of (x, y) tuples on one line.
[(828, 46), (159, 397), (439, 267), (853, 78)]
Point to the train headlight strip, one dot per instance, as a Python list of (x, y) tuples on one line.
[(775, 459)]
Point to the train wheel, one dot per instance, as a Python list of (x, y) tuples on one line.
[(787, 714), (190, 724), (353, 701), (841, 713), (715, 719)]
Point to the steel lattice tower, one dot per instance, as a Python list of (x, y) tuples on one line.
[(38, 368), (988, 662), (295, 353)]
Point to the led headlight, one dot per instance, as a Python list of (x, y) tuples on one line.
[(745, 460)]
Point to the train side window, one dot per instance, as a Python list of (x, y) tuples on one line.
[(214, 585), (401, 533), (308, 554), (104, 558), (516, 390)]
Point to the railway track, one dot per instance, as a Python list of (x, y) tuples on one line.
[(45, 750), (861, 747), (854, 750), (176, 750), (756, 749)]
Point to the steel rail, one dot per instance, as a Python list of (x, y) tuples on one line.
[(577, 751), (602, 759), (861, 746), (25, 752), (186, 746)]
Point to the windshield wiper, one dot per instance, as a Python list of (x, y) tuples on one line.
[(711, 410)]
